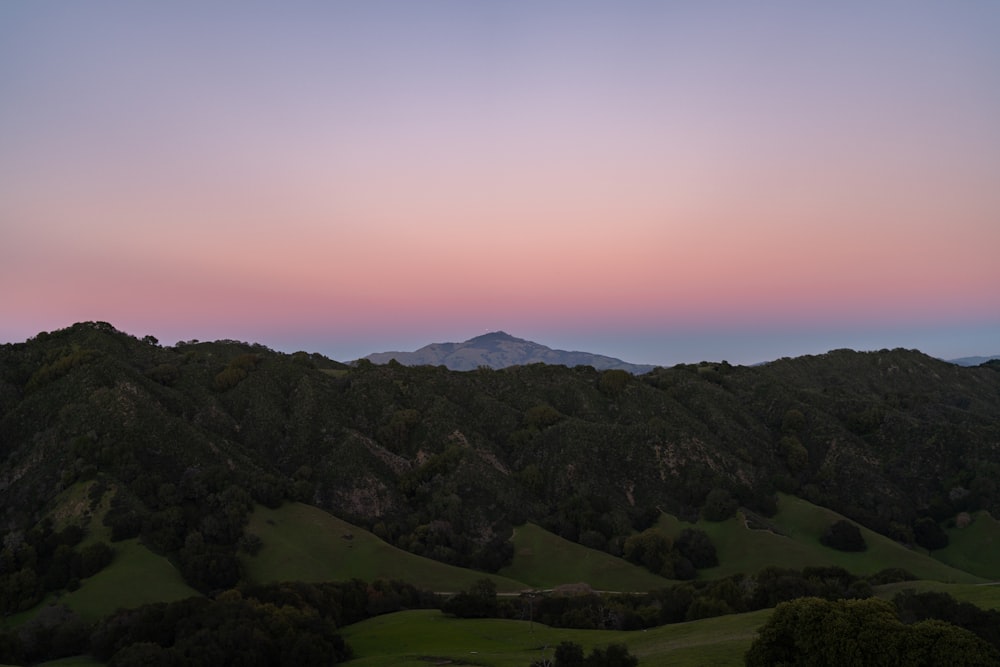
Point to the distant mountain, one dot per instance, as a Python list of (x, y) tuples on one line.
[(501, 350), (973, 361)]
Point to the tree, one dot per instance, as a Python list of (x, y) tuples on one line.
[(719, 505), (844, 536), (812, 631), (794, 453), (934, 642), (928, 534), (615, 655), (569, 654), (650, 548), (613, 381), (820, 633), (697, 547), (480, 601)]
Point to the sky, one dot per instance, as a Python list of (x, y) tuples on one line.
[(662, 182)]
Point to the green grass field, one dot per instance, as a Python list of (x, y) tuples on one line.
[(545, 560), (419, 638), (136, 577), (301, 542), (304, 543), (741, 549), (975, 548)]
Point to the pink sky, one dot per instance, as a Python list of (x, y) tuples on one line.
[(629, 177)]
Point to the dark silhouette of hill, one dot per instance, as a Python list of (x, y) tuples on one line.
[(974, 361), (501, 350)]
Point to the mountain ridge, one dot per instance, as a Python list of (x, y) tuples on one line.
[(186, 439), (499, 349), (974, 360)]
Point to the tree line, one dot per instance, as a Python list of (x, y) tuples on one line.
[(289, 624)]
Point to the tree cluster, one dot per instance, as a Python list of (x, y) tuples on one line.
[(44, 560), (289, 624), (678, 558), (570, 654), (817, 632), (690, 601)]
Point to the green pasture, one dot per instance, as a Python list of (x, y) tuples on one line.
[(975, 548), (801, 525), (419, 638), (545, 560), (304, 543), (135, 577)]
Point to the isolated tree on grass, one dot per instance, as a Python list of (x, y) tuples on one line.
[(844, 536)]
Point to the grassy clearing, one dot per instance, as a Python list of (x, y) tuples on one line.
[(135, 577), (304, 543), (745, 550), (974, 548), (545, 560), (422, 637)]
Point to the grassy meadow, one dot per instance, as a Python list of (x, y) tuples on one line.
[(801, 524), (419, 638), (304, 543), (135, 577), (975, 548), (545, 560)]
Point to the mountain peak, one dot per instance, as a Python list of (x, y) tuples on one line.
[(495, 337), (498, 349)]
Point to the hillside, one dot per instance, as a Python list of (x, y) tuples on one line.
[(183, 442), (501, 350)]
